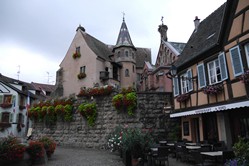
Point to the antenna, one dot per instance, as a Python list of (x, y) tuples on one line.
[(48, 77), (162, 20), (18, 72)]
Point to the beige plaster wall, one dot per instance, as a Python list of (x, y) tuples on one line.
[(71, 66)]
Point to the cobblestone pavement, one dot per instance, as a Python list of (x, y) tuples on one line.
[(65, 156)]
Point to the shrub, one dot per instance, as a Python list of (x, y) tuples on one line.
[(35, 150), (68, 116)]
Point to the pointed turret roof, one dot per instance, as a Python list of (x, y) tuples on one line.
[(124, 38)]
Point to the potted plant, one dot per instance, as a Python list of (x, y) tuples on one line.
[(76, 55), (36, 151), (50, 117), (88, 111), (49, 145), (241, 151), (10, 150), (59, 110)]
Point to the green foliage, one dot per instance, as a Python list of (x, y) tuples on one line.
[(137, 141), (35, 150), (125, 101), (68, 116), (241, 150), (59, 109), (88, 111)]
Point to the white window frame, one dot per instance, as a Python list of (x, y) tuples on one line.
[(83, 69), (186, 82), (216, 77)]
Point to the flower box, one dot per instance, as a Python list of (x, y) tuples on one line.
[(183, 97), (6, 105), (76, 55), (245, 77), (213, 89), (81, 75), (5, 124)]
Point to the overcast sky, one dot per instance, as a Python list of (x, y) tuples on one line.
[(36, 34)]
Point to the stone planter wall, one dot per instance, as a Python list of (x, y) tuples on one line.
[(149, 114)]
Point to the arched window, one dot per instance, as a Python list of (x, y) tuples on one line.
[(126, 53), (126, 72), (119, 54)]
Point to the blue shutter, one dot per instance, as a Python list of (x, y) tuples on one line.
[(201, 76), (190, 82), (176, 86), (223, 66), (236, 61)]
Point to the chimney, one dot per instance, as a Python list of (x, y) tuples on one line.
[(197, 22)]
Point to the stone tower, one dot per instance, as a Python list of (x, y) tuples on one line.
[(125, 55)]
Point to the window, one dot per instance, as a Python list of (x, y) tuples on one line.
[(6, 117), (126, 73), (7, 99), (214, 72), (83, 69), (20, 118), (217, 70), (119, 54), (185, 128), (133, 56), (247, 53), (133, 68), (126, 53), (78, 50), (236, 61), (186, 82), (176, 86)]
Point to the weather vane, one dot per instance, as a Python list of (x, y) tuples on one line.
[(162, 20), (123, 15)]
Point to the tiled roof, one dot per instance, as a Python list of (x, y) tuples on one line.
[(206, 37), (124, 38), (46, 87), (99, 48), (10, 81)]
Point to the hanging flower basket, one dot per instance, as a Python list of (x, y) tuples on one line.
[(81, 75), (213, 89), (245, 77), (183, 97)]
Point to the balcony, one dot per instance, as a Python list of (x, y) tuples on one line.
[(104, 75)]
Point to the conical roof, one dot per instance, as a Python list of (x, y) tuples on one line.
[(124, 38)]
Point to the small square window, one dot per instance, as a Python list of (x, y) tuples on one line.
[(83, 69)]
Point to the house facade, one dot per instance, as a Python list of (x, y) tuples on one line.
[(154, 77), (92, 63), (15, 100), (211, 85)]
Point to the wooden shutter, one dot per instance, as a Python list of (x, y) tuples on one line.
[(190, 81), (0, 116), (176, 86), (1, 99), (201, 76), (236, 61), (10, 117), (247, 53), (223, 66)]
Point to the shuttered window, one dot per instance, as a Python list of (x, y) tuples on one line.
[(176, 87), (223, 66), (247, 53), (190, 80), (201, 76), (236, 61)]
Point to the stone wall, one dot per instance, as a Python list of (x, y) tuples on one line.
[(149, 114)]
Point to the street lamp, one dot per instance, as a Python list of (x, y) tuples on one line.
[(172, 72)]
